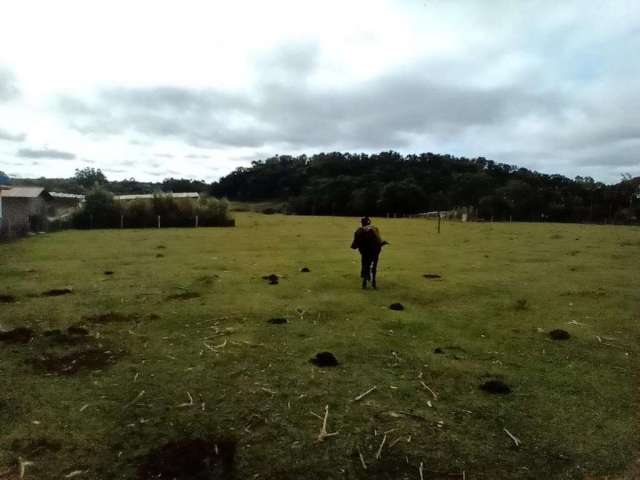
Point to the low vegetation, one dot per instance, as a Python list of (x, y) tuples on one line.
[(197, 364)]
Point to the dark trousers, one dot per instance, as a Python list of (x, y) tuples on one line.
[(369, 265)]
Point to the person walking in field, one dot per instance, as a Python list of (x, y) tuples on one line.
[(368, 241)]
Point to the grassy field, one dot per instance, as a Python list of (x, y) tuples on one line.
[(180, 357)]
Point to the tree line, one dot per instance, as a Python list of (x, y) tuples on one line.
[(389, 183)]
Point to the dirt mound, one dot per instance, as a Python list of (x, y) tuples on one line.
[(33, 447), (160, 247), (17, 335), (277, 321), (183, 296), (77, 330), (325, 359), (108, 272), (56, 336), (110, 317), (190, 459), (559, 334), (56, 292), (431, 275), (396, 306), (159, 255), (496, 387), (74, 362), (273, 279), (4, 298), (305, 270)]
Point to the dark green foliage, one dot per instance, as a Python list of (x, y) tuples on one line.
[(89, 177), (389, 183)]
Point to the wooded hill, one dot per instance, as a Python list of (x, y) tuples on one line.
[(391, 183)]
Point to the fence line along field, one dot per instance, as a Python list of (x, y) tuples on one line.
[(186, 353)]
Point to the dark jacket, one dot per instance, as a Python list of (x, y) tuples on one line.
[(367, 240)]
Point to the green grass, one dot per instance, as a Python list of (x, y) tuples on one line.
[(574, 403)]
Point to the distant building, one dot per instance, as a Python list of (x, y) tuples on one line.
[(22, 209), (150, 196)]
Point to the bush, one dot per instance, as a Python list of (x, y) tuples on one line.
[(101, 211)]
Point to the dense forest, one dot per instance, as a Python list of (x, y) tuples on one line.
[(390, 183)]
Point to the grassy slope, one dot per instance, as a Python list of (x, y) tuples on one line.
[(574, 404)]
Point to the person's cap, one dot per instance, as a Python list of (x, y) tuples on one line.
[(365, 221)]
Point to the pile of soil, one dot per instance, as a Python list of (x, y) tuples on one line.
[(108, 272), (17, 335), (325, 359), (110, 317), (559, 334), (190, 459), (277, 321), (496, 387), (74, 362), (396, 306), (159, 255), (56, 292), (431, 275), (305, 270), (183, 296), (4, 298), (273, 279)]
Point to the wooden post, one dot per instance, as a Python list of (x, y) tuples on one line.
[(158, 221), (91, 220), (121, 221), (196, 221), (439, 218)]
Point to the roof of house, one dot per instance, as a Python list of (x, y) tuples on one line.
[(23, 192), (151, 195), (66, 195)]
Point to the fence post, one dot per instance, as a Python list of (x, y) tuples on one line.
[(196, 221), (121, 221), (439, 217), (158, 221), (91, 220)]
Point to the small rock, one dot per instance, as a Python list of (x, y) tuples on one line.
[(325, 359), (396, 306)]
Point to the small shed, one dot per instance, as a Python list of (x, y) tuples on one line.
[(22, 209)]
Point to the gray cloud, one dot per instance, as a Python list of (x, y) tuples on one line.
[(12, 137), (45, 153), (465, 105), (8, 88)]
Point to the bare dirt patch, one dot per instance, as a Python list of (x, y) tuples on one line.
[(190, 459), (17, 335), (75, 362)]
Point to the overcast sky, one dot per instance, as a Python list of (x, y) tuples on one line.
[(152, 89)]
